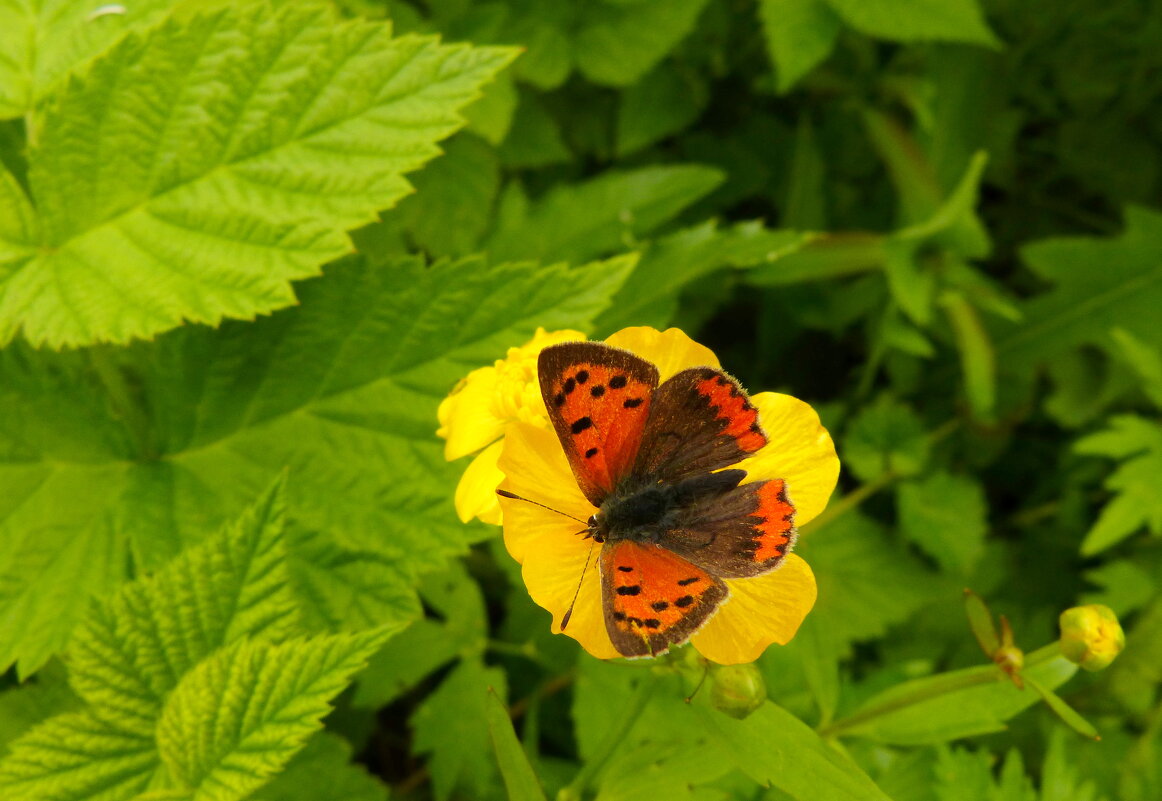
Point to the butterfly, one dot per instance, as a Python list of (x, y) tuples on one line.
[(671, 522)]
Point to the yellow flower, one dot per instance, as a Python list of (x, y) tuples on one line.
[(1091, 636), (761, 610), (476, 412)]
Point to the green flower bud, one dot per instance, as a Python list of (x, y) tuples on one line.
[(738, 690), (1091, 636)]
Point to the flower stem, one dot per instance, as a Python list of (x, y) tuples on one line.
[(934, 687), (613, 739)]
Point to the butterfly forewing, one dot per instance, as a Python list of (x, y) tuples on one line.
[(700, 420), (744, 532), (598, 398), (653, 598)]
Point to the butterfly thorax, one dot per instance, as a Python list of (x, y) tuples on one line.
[(644, 510)]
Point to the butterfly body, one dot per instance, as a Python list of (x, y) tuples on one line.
[(651, 457)]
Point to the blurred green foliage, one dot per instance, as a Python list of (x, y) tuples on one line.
[(939, 221)]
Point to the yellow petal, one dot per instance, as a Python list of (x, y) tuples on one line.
[(760, 611), (800, 451), (476, 492), (550, 546), (671, 350), (467, 419)]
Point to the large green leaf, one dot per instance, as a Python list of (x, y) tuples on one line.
[(917, 20), (343, 390), (774, 747), (239, 716), (198, 169), (799, 35), (42, 40), (1098, 285)]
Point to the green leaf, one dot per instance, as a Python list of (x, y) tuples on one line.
[(1146, 361), (519, 778), (461, 627), (952, 711), (962, 775), (454, 196), (33, 702), (197, 170), (886, 437), (452, 727), (535, 139), (1099, 285), (618, 43), (78, 757), (574, 223), (977, 357), (917, 20), (18, 225), (853, 561), (133, 648), (347, 400), (42, 41), (827, 256), (775, 748), (239, 716), (1068, 714), (323, 771), (945, 515), (1136, 503), (650, 295), (663, 102), (799, 35)]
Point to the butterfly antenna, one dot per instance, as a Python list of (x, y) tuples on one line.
[(515, 497), (569, 612)]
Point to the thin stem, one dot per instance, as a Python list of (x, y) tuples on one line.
[(934, 687), (851, 500), (614, 738)]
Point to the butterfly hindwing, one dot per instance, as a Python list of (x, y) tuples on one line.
[(653, 598), (743, 532), (700, 420), (598, 398)]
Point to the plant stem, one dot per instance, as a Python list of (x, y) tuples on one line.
[(934, 687), (613, 739)]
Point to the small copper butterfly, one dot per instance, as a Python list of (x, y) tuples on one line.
[(672, 524)]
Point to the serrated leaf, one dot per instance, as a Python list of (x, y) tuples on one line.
[(343, 389), (42, 41), (886, 437), (241, 715), (1136, 503), (586, 220), (323, 771), (918, 20), (451, 726), (519, 778), (134, 647), (33, 702), (945, 515), (1146, 361), (17, 225), (775, 748), (78, 757), (197, 170), (1099, 285), (799, 35)]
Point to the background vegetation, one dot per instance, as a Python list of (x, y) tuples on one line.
[(221, 494)]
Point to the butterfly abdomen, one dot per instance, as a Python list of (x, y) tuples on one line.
[(646, 513)]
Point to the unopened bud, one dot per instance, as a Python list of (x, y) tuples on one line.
[(738, 690), (1091, 636)]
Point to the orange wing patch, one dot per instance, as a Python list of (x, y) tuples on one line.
[(598, 398), (653, 598), (732, 405), (774, 533)]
